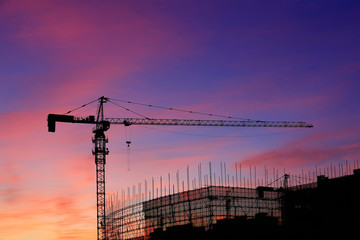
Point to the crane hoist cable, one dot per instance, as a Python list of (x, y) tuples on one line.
[(128, 142)]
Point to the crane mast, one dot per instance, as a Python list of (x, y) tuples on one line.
[(100, 150)]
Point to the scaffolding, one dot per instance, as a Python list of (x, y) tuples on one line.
[(223, 209), (199, 208)]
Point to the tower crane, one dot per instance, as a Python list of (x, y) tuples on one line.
[(103, 124)]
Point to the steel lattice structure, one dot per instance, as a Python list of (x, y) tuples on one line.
[(199, 208), (209, 123)]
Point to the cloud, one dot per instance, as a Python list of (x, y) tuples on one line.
[(306, 154), (52, 213), (87, 49), (91, 31), (33, 180), (291, 157)]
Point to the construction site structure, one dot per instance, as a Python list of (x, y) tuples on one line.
[(314, 205), (102, 124)]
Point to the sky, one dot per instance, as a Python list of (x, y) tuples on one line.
[(265, 60)]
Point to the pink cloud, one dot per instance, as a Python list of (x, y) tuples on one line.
[(55, 217), (292, 157), (33, 170), (316, 147), (93, 48), (86, 32), (18, 125)]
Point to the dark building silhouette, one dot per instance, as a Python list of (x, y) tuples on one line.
[(327, 209)]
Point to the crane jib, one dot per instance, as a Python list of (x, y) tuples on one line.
[(53, 118), (189, 122)]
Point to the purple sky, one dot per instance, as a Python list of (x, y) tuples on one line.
[(266, 60)]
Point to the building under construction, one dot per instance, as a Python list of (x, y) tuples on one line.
[(290, 209)]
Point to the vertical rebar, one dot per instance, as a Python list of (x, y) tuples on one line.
[(188, 180), (240, 174), (250, 178), (221, 169), (169, 182), (161, 186), (226, 184), (210, 173), (255, 176), (153, 188), (146, 190), (236, 174), (200, 177), (177, 181)]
